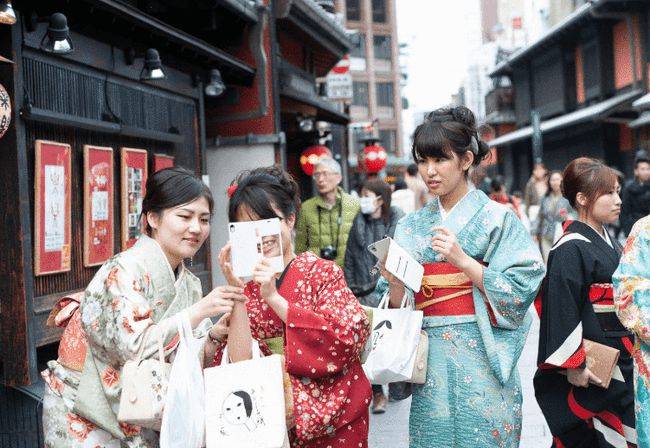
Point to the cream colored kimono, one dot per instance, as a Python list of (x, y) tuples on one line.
[(131, 292)]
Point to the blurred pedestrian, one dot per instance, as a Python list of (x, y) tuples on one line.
[(535, 190), (376, 221), (632, 299), (636, 194), (481, 272), (325, 220), (577, 312), (402, 197), (417, 186), (554, 210), (499, 193)]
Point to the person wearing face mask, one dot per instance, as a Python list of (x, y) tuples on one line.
[(322, 326), (376, 221), (482, 270), (133, 302), (577, 308)]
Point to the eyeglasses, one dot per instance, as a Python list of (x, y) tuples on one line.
[(322, 174)]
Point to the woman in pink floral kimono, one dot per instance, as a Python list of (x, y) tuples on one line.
[(133, 301), (309, 308)]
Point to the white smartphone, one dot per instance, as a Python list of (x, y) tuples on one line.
[(253, 241)]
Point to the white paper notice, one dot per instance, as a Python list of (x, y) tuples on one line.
[(100, 206), (54, 208)]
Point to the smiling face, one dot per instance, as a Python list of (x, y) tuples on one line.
[(445, 175), (244, 214), (271, 246), (181, 230)]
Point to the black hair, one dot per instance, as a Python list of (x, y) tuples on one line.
[(246, 398), (262, 189), (640, 157), (498, 182), (383, 191), (549, 190), (412, 169), (171, 187), (448, 130)]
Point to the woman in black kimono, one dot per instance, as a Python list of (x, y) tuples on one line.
[(577, 305)]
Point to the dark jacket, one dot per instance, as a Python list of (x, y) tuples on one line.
[(636, 204), (358, 259)]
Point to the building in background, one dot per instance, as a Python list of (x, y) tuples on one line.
[(374, 62)]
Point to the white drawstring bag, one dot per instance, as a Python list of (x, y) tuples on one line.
[(393, 344), (182, 422), (245, 403)]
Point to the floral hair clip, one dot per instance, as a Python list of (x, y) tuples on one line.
[(231, 190)]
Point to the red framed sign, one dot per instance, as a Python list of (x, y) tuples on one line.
[(52, 211), (134, 180), (98, 205), (161, 161)]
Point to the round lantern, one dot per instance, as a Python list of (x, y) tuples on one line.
[(311, 156), (374, 156), (5, 111)]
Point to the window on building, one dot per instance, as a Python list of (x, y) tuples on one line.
[(388, 140), (385, 94), (379, 11), (382, 47), (353, 9), (360, 93), (359, 49)]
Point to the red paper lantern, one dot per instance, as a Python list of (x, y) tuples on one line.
[(311, 156), (374, 158)]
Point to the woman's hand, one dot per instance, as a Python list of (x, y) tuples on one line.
[(445, 243), (218, 301), (396, 288), (581, 377), (225, 261), (220, 330), (264, 275)]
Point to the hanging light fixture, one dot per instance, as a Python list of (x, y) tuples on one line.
[(152, 68), (215, 87), (7, 14), (57, 38)]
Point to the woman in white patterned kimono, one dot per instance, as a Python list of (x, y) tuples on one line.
[(133, 301), (482, 271)]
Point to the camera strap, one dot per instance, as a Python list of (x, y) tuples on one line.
[(339, 222)]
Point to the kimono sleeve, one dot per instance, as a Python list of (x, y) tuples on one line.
[(632, 283), (116, 314), (514, 272), (325, 339), (560, 342)]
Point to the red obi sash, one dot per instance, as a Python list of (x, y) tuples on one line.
[(601, 296), (446, 291)]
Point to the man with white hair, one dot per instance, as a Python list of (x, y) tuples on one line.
[(325, 220)]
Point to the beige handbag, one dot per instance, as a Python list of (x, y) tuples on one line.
[(419, 375), (144, 386)]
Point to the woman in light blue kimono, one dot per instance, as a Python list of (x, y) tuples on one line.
[(632, 299), (482, 271)]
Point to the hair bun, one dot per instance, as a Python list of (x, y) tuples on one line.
[(464, 115)]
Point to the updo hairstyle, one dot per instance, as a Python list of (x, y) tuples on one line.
[(590, 177)]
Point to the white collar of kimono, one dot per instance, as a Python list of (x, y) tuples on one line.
[(605, 236), (155, 253), (444, 213)]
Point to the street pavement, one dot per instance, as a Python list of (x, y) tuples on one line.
[(390, 430)]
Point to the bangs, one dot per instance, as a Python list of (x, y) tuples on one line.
[(255, 199), (604, 181), (430, 142)]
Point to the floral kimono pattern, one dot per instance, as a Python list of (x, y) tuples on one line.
[(472, 395), (323, 336), (132, 301), (632, 300)]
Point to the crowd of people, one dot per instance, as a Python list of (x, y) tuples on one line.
[(487, 258)]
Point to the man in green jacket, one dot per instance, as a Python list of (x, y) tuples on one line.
[(325, 220)]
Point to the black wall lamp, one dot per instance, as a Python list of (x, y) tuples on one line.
[(57, 37), (152, 68), (7, 14)]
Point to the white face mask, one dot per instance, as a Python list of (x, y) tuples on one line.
[(367, 205)]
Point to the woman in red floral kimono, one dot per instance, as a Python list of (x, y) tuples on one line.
[(322, 325)]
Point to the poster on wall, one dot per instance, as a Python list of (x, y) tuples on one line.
[(98, 205), (134, 180), (161, 161), (52, 210)]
